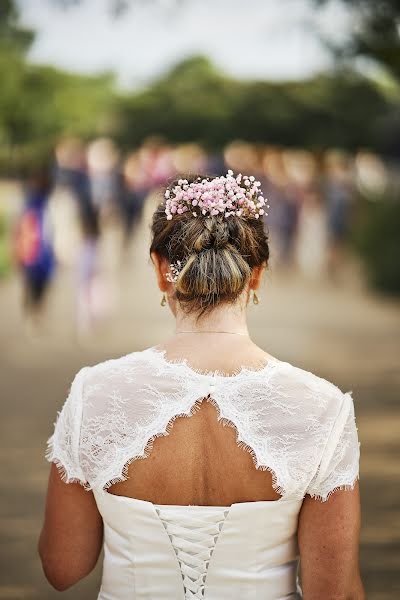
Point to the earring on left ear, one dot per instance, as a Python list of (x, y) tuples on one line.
[(255, 298), (163, 300)]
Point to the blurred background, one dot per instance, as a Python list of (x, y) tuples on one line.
[(103, 102)]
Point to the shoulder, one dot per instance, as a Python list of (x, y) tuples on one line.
[(315, 391), (307, 378), (119, 368)]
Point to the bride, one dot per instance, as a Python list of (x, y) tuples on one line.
[(207, 467)]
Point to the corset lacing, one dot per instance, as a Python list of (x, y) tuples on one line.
[(193, 531)]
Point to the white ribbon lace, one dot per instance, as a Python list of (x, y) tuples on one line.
[(193, 532)]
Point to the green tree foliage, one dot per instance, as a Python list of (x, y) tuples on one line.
[(39, 103), (193, 102), (377, 33), (196, 102), (377, 240), (13, 37)]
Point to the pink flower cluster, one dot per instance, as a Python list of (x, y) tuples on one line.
[(228, 195)]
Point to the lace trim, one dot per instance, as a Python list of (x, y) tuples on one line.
[(240, 371), (347, 480), (277, 486), (67, 432), (65, 477), (346, 487), (51, 456), (295, 425)]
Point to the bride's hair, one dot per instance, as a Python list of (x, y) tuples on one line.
[(215, 254)]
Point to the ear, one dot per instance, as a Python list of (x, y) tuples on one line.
[(256, 277), (161, 267)]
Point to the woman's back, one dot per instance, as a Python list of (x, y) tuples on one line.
[(284, 425), (204, 455), (292, 423), (200, 462)]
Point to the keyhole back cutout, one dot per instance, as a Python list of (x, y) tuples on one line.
[(199, 462)]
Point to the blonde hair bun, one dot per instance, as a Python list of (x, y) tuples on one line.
[(217, 255)]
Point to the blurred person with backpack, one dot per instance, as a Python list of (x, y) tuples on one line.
[(33, 247)]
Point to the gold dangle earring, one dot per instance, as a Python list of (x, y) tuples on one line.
[(163, 300), (255, 298)]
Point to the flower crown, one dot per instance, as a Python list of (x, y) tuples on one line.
[(227, 195)]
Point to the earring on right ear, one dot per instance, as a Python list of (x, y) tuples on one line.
[(163, 300), (255, 298)]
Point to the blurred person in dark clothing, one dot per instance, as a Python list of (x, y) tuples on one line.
[(338, 194), (89, 294), (33, 248), (102, 167), (282, 195), (133, 192), (72, 172), (216, 164)]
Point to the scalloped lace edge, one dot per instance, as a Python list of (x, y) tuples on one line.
[(167, 430), (65, 477), (342, 487), (234, 374), (51, 456)]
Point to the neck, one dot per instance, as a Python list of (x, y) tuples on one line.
[(228, 318)]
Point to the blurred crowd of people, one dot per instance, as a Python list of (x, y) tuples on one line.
[(92, 189)]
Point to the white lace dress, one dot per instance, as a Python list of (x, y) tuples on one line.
[(295, 424)]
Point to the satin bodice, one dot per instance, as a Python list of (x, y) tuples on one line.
[(247, 551), (294, 424)]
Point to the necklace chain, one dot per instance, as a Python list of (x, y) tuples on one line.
[(228, 332)]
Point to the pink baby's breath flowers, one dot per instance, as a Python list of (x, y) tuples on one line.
[(226, 195)]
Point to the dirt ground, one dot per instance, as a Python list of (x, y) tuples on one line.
[(338, 331)]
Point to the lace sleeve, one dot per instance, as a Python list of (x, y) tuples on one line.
[(338, 468), (63, 446)]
